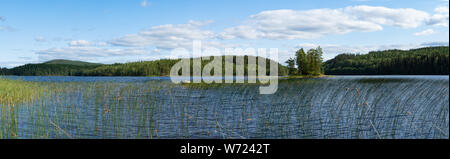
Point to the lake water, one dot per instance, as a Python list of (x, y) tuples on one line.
[(344, 107)]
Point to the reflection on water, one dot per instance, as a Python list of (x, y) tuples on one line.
[(153, 107)]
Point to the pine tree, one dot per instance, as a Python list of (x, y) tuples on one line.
[(310, 56), (319, 59), (301, 61), (291, 66)]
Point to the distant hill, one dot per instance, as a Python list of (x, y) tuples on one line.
[(422, 61), (157, 68), (47, 70), (69, 62), (51, 68)]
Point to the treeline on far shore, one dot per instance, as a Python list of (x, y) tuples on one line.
[(422, 61)]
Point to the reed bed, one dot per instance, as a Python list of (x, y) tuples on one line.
[(16, 91), (301, 109)]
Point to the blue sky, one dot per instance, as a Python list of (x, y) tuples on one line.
[(110, 31)]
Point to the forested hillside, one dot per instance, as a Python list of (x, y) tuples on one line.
[(160, 68), (77, 68), (46, 70), (423, 61), (51, 68)]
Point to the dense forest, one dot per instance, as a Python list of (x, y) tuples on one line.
[(46, 70), (422, 61), (163, 67), (50, 68), (309, 63), (144, 68)]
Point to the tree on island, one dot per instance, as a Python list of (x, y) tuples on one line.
[(309, 63), (301, 61), (291, 66)]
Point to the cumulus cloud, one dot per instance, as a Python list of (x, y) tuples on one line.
[(4, 28), (436, 43), (291, 24), (441, 18), (425, 32), (401, 17), (84, 43), (102, 44), (160, 39), (86, 53), (243, 32), (170, 36), (7, 28), (40, 39), (145, 3), (87, 50), (11, 64), (80, 43), (310, 24), (442, 9)]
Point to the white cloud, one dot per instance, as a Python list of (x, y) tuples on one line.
[(425, 32), (145, 3), (11, 64), (436, 43), (170, 36), (401, 17), (243, 32), (156, 40), (442, 9), (7, 28), (40, 39), (80, 43), (291, 24), (441, 17), (156, 50), (102, 44), (86, 53), (310, 24)]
